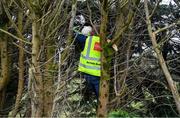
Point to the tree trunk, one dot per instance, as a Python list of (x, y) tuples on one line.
[(21, 66), (35, 72), (4, 78), (105, 73), (4, 63), (2, 99), (162, 62), (48, 80)]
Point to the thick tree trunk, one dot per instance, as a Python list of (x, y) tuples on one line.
[(35, 72), (4, 78), (4, 63), (21, 67), (162, 62), (105, 73)]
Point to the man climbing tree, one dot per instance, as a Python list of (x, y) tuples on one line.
[(90, 62)]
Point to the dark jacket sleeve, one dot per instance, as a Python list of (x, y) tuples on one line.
[(80, 39)]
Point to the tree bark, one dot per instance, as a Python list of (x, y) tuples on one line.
[(35, 72), (162, 62), (4, 78), (4, 63), (21, 66), (2, 99), (105, 73), (48, 80)]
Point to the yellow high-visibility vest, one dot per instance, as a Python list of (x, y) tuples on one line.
[(90, 62)]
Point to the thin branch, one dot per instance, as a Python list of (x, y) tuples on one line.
[(57, 10), (44, 16), (124, 3), (19, 6), (13, 23), (21, 48), (162, 62), (55, 29), (167, 27), (157, 4), (90, 18), (15, 36)]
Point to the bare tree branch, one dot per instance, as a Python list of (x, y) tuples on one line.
[(167, 27), (161, 59), (15, 36)]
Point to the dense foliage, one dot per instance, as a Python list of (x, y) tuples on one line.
[(138, 87)]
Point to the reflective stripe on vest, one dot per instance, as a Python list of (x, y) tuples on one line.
[(90, 57)]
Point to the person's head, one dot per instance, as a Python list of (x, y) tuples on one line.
[(87, 30)]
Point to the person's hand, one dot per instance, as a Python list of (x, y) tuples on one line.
[(75, 29)]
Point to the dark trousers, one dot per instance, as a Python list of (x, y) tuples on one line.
[(92, 83)]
